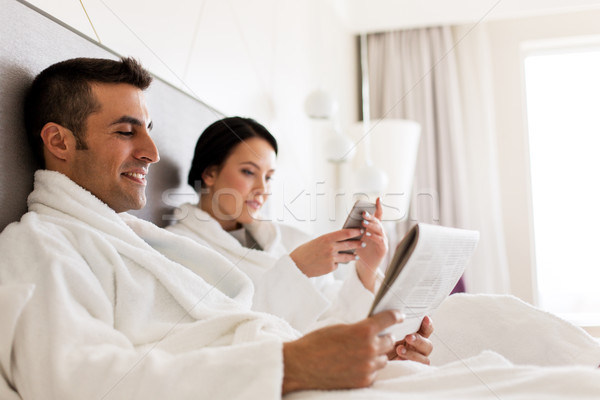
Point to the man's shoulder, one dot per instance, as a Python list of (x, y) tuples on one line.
[(36, 232), (27, 221), (31, 223), (27, 244)]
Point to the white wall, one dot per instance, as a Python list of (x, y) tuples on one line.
[(258, 58), (506, 39)]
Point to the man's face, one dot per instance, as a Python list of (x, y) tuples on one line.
[(119, 148)]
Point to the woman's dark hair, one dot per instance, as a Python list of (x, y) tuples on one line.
[(218, 141)]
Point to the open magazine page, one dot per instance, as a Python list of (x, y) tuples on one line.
[(426, 266)]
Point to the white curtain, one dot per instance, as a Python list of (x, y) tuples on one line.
[(475, 76), (417, 74)]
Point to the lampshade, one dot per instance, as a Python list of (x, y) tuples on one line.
[(371, 180), (339, 148), (394, 144), (320, 105)]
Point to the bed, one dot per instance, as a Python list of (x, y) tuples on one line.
[(486, 347)]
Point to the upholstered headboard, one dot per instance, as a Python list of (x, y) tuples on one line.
[(29, 42)]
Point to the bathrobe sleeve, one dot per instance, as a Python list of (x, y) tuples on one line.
[(309, 303), (67, 347), (283, 290), (349, 300)]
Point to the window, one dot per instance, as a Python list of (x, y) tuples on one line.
[(563, 112)]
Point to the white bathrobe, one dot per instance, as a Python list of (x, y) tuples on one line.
[(280, 287), (96, 312), (122, 309)]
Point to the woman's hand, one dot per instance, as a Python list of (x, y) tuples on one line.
[(322, 255), (373, 248)]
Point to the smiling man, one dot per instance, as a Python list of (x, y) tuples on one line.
[(109, 152), (119, 148), (122, 309)]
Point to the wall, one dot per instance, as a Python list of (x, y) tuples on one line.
[(258, 59), (506, 38)]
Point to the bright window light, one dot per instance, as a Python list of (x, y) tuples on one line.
[(563, 112)]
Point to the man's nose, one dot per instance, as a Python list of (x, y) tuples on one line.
[(147, 149)]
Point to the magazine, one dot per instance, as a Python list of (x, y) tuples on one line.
[(426, 266)]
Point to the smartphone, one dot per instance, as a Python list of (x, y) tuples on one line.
[(354, 219)]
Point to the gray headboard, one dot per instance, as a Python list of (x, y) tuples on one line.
[(31, 41)]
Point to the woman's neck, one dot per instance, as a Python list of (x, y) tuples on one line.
[(206, 205)]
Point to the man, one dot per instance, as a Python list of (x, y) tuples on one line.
[(124, 309)]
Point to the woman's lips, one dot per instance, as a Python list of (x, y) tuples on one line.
[(253, 204)]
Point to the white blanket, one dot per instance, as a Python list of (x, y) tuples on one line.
[(280, 287), (491, 347), (466, 324), (487, 376), (112, 318)]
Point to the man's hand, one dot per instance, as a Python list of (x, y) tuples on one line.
[(415, 347), (321, 256), (339, 356)]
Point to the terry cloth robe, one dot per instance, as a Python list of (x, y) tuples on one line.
[(280, 287), (122, 309)]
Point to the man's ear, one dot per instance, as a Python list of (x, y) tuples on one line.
[(209, 175), (58, 140)]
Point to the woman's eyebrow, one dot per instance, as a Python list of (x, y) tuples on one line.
[(251, 163), (255, 165)]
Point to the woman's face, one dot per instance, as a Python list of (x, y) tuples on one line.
[(240, 186)]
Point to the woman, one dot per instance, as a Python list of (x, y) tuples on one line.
[(233, 165)]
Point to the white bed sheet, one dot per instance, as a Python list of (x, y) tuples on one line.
[(487, 376)]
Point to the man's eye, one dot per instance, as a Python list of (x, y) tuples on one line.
[(125, 133)]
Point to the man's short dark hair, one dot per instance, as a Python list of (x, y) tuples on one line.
[(62, 94)]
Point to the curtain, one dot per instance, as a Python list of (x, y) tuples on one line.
[(475, 77), (414, 74)]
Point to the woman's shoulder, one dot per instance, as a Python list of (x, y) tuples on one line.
[(189, 220)]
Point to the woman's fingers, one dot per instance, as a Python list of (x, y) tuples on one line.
[(343, 234), (344, 258), (347, 245), (372, 224), (378, 209)]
